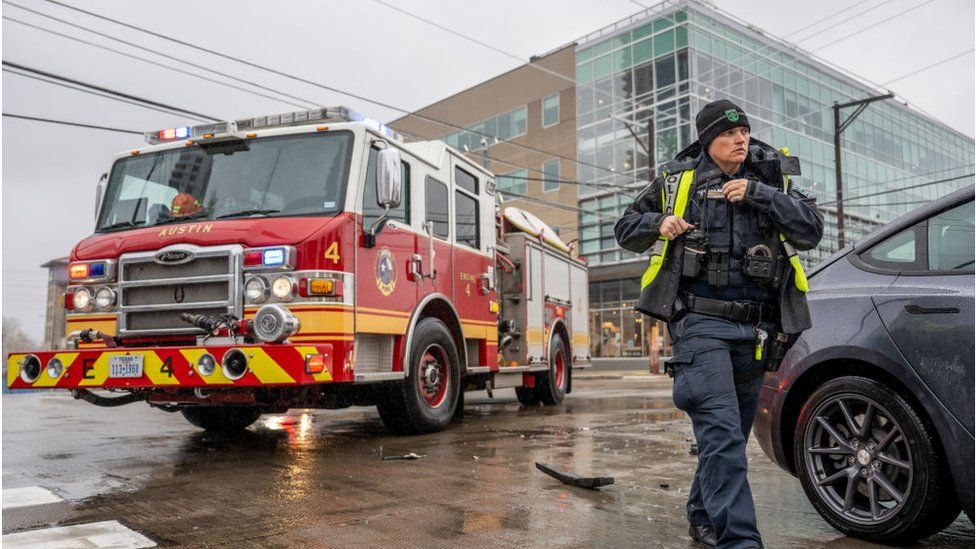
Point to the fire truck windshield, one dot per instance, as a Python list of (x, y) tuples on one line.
[(274, 176)]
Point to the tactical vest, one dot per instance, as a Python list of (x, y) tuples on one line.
[(674, 198)]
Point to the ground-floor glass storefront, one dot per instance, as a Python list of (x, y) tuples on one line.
[(616, 330)]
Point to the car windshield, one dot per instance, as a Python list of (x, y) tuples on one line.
[(273, 176)]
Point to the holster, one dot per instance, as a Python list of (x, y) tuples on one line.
[(776, 349)]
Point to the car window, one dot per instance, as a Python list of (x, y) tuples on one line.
[(950, 239), (436, 193), (902, 251)]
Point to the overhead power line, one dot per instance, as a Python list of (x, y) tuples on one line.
[(66, 123), (106, 90), (861, 30), (151, 62), (900, 189), (847, 19), (98, 94), (932, 66), (155, 52), (307, 81)]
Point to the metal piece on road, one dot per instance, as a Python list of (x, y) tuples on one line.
[(590, 483), (409, 456)]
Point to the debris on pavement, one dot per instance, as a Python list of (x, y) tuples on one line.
[(590, 483), (693, 451), (411, 455)]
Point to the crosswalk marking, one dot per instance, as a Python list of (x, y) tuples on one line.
[(30, 495), (97, 535)]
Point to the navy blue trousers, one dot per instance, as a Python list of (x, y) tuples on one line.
[(716, 382)]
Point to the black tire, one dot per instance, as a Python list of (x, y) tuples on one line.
[(222, 419), (528, 396), (847, 465), (551, 386), (417, 404)]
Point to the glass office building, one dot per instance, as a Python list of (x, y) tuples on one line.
[(662, 66)]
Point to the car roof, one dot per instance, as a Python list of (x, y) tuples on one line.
[(907, 220)]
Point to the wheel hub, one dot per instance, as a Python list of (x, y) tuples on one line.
[(864, 457)]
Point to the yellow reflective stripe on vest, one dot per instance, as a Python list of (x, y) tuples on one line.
[(680, 203), (799, 275)]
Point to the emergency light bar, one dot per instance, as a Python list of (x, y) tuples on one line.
[(296, 118)]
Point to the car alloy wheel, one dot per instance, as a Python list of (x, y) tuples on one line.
[(858, 457)]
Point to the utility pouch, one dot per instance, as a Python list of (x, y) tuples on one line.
[(776, 349), (759, 263), (718, 268), (694, 256)]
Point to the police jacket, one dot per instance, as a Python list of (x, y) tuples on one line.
[(769, 198)]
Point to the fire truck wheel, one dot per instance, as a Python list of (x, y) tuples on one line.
[(551, 386), (426, 400), (527, 395), (224, 419)]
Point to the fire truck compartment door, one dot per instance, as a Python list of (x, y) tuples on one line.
[(535, 328)]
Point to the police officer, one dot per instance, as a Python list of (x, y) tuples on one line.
[(723, 226)]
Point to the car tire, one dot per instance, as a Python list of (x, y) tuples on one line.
[(883, 479), (426, 400), (222, 419), (552, 385)]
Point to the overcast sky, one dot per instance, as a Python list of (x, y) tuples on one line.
[(50, 171)]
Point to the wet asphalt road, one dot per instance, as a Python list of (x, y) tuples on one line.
[(315, 478)]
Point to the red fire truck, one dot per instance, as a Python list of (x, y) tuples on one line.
[(311, 259)]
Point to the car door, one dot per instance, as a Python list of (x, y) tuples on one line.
[(928, 311)]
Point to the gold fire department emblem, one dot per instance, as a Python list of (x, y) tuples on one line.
[(385, 271)]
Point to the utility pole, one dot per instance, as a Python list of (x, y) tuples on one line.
[(839, 128)]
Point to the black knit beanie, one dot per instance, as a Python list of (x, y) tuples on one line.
[(717, 117)]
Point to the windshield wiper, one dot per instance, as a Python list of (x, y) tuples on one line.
[(123, 225), (248, 212), (201, 213)]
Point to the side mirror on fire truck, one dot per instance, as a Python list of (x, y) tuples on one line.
[(99, 193), (388, 184), (388, 188)]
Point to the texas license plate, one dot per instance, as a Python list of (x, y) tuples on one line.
[(125, 366)]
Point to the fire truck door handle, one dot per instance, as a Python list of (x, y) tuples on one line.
[(485, 283), (417, 267)]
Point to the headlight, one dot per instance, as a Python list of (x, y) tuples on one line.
[(256, 289), (54, 368), (104, 298), (206, 364), (283, 288), (83, 299)]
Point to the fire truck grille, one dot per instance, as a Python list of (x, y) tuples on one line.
[(152, 295)]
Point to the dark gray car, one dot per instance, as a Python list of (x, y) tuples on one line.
[(873, 407)]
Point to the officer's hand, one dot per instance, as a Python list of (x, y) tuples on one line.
[(735, 190), (672, 226)]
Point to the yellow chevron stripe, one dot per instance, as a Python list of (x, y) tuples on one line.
[(13, 368), (46, 380), (265, 368), (321, 376)]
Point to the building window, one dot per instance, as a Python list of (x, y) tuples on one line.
[(550, 179), (550, 111), (513, 182), (518, 122)]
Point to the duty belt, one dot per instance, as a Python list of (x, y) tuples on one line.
[(748, 312)]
